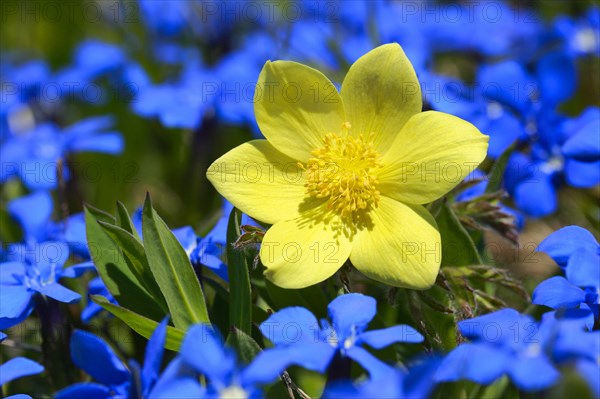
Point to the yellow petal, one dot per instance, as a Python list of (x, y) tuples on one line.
[(380, 93), (260, 181), (402, 248), (431, 155), (295, 106), (303, 251)]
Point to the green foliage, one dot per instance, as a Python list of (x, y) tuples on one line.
[(171, 267), (240, 291), (140, 324), (115, 270)]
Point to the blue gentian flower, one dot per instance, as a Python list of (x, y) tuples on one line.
[(577, 252), (300, 340), (17, 367), (33, 212), (33, 270), (179, 104), (503, 342), (203, 353), (33, 156), (579, 36), (414, 382), (113, 378)]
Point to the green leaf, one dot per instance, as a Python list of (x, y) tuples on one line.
[(245, 346), (140, 324), (133, 250), (240, 290), (496, 174), (173, 271), (458, 248), (124, 220), (112, 267)]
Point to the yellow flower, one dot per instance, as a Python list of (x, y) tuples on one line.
[(345, 174)]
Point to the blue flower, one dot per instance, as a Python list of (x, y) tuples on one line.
[(579, 36), (113, 378), (34, 156), (33, 270), (17, 367), (577, 252), (33, 213), (179, 104), (203, 353), (414, 382), (300, 340), (503, 342)]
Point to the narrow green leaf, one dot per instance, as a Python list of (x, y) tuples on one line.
[(112, 267), (124, 220), (173, 271), (496, 174), (133, 250), (458, 248), (240, 290), (245, 346), (140, 324)]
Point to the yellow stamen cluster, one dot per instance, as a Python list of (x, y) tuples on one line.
[(343, 171)]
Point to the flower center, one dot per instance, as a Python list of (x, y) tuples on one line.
[(344, 171)]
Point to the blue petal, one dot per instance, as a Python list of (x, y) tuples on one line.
[(177, 382), (379, 339), (585, 144), (291, 325), (87, 390), (109, 143), (153, 357), (476, 362), (33, 213), (420, 379), (2, 336), (557, 292), (18, 367), (19, 396), (508, 83), (88, 126), (187, 238), (493, 327), (533, 373), (590, 371), (583, 268), (78, 270), (203, 350), (557, 76), (574, 342), (48, 256), (269, 364), (375, 367), (561, 244), (503, 131), (58, 292), (582, 174), (536, 196), (96, 358), (11, 273), (351, 313), (15, 305)]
